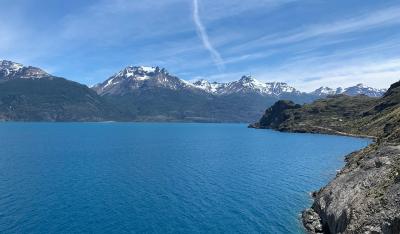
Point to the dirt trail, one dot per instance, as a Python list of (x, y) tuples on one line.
[(344, 133)]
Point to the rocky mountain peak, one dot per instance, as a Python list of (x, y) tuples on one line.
[(139, 72), (249, 81), (133, 78), (10, 70), (12, 66), (205, 85)]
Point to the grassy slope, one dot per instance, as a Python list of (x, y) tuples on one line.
[(360, 115)]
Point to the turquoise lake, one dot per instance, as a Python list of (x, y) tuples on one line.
[(161, 178)]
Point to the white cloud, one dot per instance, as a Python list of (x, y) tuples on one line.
[(161, 33), (376, 65), (204, 36), (371, 20)]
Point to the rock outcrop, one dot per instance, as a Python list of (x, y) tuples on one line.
[(363, 198)]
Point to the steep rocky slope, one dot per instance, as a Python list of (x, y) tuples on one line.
[(365, 195)]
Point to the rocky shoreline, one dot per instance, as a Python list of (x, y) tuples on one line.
[(364, 197)]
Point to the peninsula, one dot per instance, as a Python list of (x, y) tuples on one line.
[(364, 197)]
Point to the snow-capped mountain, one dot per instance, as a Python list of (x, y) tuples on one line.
[(11, 70), (324, 91), (358, 89), (214, 87), (280, 88), (362, 89), (139, 78), (246, 84), (135, 78)]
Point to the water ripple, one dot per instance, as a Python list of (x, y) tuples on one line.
[(160, 178)]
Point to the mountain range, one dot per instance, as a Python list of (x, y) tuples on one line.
[(139, 93), (350, 91), (132, 78), (140, 77)]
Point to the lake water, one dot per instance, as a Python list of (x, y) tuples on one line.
[(160, 178)]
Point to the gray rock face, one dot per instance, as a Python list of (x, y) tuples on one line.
[(312, 222), (363, 198)]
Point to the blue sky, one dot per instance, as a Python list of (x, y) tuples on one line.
[(306, 43)]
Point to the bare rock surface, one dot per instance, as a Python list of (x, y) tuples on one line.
[(363, 198)]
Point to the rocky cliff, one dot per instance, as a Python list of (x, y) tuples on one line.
[(365, 195)]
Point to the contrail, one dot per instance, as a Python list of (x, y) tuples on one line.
[(204, 37)]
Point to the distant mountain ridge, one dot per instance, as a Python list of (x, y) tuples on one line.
[(141, 77), (246, 84), (136, 93), (359, 89), (137, 77)]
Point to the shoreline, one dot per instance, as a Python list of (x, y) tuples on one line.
[(327, 132), (370, 171), (309, 218)]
